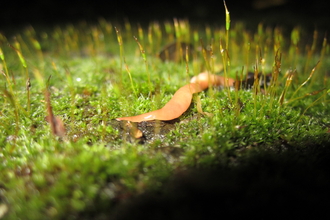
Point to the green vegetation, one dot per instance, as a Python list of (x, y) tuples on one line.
[(88, 74)]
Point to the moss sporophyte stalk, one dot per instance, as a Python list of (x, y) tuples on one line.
[(63, 153)]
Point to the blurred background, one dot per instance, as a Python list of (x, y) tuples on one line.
[(278, 12)]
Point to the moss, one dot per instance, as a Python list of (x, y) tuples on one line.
[(92, 80)]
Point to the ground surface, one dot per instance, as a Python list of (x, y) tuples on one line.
[(256, 155)]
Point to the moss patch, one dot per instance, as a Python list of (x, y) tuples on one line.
[(95, 73)]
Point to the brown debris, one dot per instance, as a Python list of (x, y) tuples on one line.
[(176, 52), (142, 132), (250, 79), (56, 124)]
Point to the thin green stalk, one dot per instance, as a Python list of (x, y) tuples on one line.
[(144, 57), (122, 60), (5, 72), (12, 100), (212, 63), (140, 33), (177, 31), (37, 46), (72, 91), (313, 103), (11, 94), (256, 89), (275, 74), (121, 51), (294, 49), (224, 51), (238, 103), (150, 38), (128, 28), (207, 63), (287, 84), (158, 33), (307, 94), (310, 52), (247, 48), (130, 78), (26, 73), (225, 58), (309, 77), (227, 26)]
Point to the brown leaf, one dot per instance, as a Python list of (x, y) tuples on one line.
[(56, 124)]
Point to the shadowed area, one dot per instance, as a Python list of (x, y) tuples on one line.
[(264, 186)]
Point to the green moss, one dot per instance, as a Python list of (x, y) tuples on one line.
[(94, 80)]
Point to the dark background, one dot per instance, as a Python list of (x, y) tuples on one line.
[(48, 12)]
